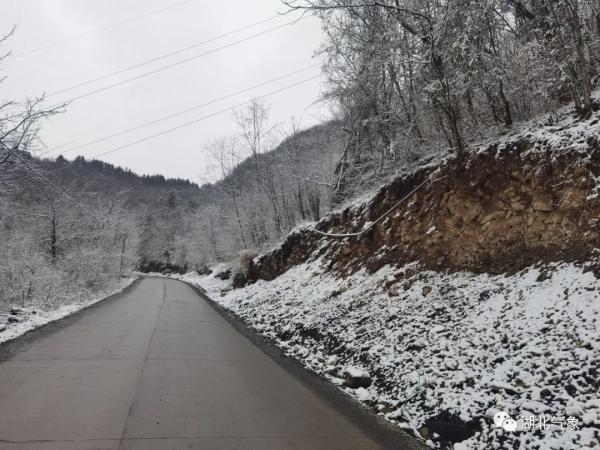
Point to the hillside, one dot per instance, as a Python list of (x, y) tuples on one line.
[(74, 230), (458, 293), (265, 192), (70, 233), (529, 196)]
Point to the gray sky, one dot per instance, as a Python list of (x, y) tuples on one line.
[(177, 154)]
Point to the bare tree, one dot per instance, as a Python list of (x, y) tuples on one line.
[(225, 152), (19, 124), (258, 135)]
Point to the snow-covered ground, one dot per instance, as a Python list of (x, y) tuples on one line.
[(445, 346), (23, 320)]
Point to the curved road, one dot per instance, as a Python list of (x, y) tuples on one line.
[(159, 368)]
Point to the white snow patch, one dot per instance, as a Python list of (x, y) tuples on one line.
[(477, 343), (30, 319), (355, 372), (362, 394)]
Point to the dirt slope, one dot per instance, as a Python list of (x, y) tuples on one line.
[(522, 199)]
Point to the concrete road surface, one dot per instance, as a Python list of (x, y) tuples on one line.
[(159, 368)]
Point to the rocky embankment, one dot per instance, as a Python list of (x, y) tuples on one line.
[(510, 204)]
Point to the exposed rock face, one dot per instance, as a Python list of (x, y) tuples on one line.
[(496, 211)]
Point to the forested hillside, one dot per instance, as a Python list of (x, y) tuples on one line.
[(266, 189), (71, 229)]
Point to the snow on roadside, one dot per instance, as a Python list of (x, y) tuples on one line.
[(445, 345), (214, 284), (30, 318)]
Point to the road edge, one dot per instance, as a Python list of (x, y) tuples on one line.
[(12, 346), (393, 437)]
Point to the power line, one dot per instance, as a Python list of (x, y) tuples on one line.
[(158, 58), (383, 216), (170, 116), (200, 119), (83, 208), (183, 61), (57, 147), (97, 30), (54, 186)]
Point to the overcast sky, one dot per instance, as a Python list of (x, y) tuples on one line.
[(180, 153)]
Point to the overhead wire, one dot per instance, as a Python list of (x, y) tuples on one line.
[(200, 119), (97, 30), (380, 218), (54, 185), (178, 113), (49, 182), (158, 58), (164, 132), (169, 66)]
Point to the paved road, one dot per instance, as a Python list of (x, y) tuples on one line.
[(159, 368)]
